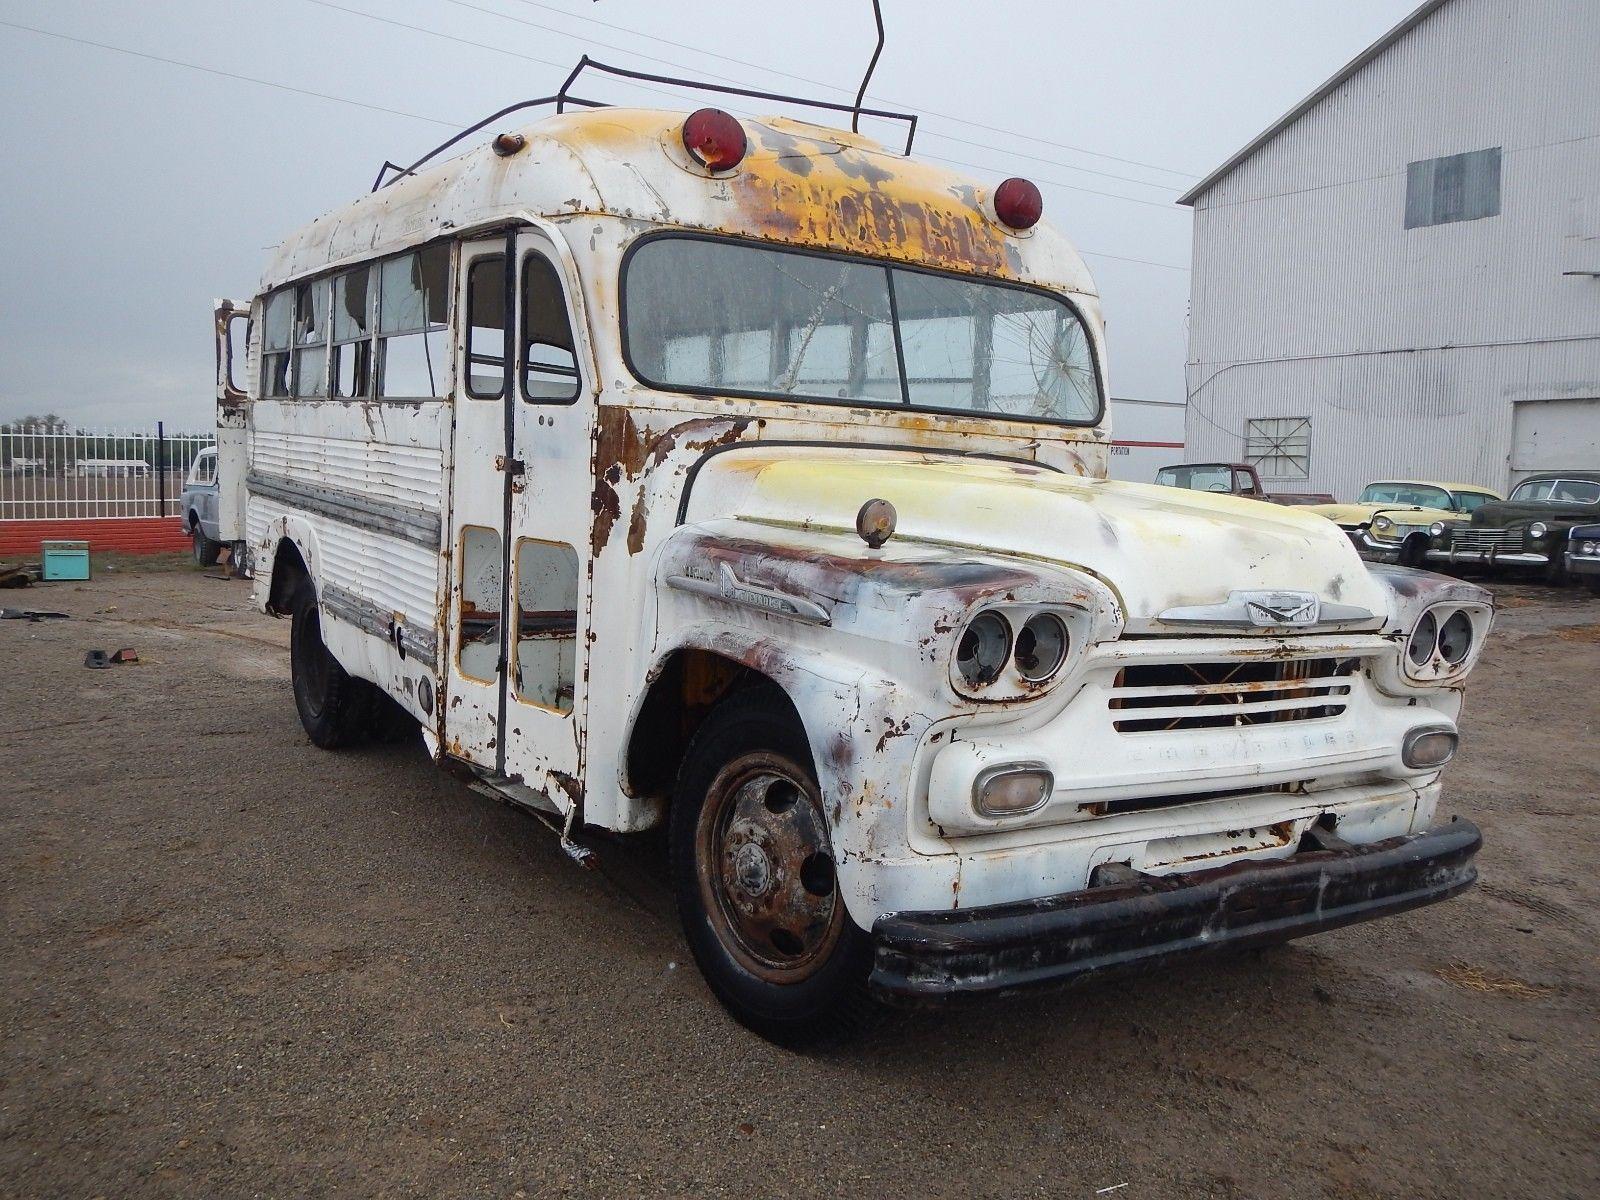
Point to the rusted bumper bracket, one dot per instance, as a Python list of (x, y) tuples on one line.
[(938, 957)]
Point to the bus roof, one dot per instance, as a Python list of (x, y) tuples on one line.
[(799, 184)]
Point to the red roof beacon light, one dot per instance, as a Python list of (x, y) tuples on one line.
[(1018, 204), (715, 139)]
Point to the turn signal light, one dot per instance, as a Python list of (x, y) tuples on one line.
[(1018, 204), (1012, 791), (715, 139)]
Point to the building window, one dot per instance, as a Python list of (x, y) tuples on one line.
[(1460, 187), (1279, 447)]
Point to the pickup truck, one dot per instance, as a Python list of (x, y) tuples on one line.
[(1236, 479)]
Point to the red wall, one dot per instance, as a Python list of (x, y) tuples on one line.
[(120, 535)]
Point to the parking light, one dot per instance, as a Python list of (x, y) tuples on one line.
[(1428, 749), (1013, 790)]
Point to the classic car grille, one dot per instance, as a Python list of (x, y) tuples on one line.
[(1480, 540), (1212, 695)]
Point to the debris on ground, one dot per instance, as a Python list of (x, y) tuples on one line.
[(126, 655), (13, 575), (1478, 979), (97, 660), (1579, 633), (29, 614)]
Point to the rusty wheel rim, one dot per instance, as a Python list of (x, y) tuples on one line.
[(766, 869)]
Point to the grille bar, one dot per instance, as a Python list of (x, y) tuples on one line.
[(1487, 539), (1159, 697)]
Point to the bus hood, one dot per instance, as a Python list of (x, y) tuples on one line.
[(1157, 548)]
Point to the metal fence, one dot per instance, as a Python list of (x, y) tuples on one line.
[(53, 471)]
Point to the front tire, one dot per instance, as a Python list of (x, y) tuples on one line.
[(753, 871), (334, 705)]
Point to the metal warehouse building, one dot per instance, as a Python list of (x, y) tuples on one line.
[(1401, 277)]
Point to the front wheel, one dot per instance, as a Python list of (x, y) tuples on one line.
[(753, 870), (334, 705)]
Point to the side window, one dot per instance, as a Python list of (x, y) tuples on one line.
[(413, 307), (208, 468), (311, 339), (352, 333), (486, 327), (277, 319), (549, 366), (1243, 484), (547, 623)]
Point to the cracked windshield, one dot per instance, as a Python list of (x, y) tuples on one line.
[(705, 315)]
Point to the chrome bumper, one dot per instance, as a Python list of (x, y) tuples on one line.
[(1516, 558)]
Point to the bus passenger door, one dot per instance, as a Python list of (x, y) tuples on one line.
[(520, 519), (551, 517)]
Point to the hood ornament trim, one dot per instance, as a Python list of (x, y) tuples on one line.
[(1277, 609)]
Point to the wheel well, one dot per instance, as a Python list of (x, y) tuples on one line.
[(288, 568), (684, 689)]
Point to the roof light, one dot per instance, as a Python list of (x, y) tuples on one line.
[(1018, 204), (715, 139)]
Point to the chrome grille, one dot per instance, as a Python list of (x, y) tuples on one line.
[(1157, 697), (1468, 538)]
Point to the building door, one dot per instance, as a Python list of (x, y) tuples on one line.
[(520, 517), (1554, 435)]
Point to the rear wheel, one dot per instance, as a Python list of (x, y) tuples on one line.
[(335, 707), (206, 551), (753, 870)]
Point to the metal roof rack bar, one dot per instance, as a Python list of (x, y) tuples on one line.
[(910, 119), (560, 99), (564, 97)]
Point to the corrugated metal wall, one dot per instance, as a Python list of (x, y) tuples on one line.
[(1409, 348)]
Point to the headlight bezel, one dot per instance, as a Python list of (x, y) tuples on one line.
[(1011, 683), (1434, 666)]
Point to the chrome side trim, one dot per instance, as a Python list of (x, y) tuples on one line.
[(376, 516), (729, 587), (421, 643)]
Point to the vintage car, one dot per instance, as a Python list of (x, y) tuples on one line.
[(1583, 556), (197, 505), (748, 478), (1389, 521), (1528, 530)]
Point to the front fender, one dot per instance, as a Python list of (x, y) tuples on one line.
[(860, 641)]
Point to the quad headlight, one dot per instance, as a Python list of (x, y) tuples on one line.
[(1444, 642), (1382, 524), (1009, 652)]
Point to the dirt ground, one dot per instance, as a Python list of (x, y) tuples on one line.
[(235, 965)]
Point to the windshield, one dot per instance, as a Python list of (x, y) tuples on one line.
[(1415, 495), (1205, 478), (704, 315), (1559, 491)]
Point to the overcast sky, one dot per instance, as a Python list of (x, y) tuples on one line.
[(135, 190)]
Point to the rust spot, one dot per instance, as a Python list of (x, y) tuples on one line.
[(607, 507), (569, 785), (637, 523)]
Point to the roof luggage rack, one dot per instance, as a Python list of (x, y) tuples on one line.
[(391, 171)]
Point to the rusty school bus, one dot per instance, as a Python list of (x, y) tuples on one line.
[(747, 477)]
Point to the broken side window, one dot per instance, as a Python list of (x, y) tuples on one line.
[(311, 339), (413, 308), (352, 333), (478, 652), (277, 321)]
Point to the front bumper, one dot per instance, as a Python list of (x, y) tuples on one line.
[(1582, 565), (937, 957), (1490, 557)]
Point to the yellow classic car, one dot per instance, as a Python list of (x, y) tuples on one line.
[(1390, 520)]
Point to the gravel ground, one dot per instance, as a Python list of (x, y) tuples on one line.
[(235, 965)]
